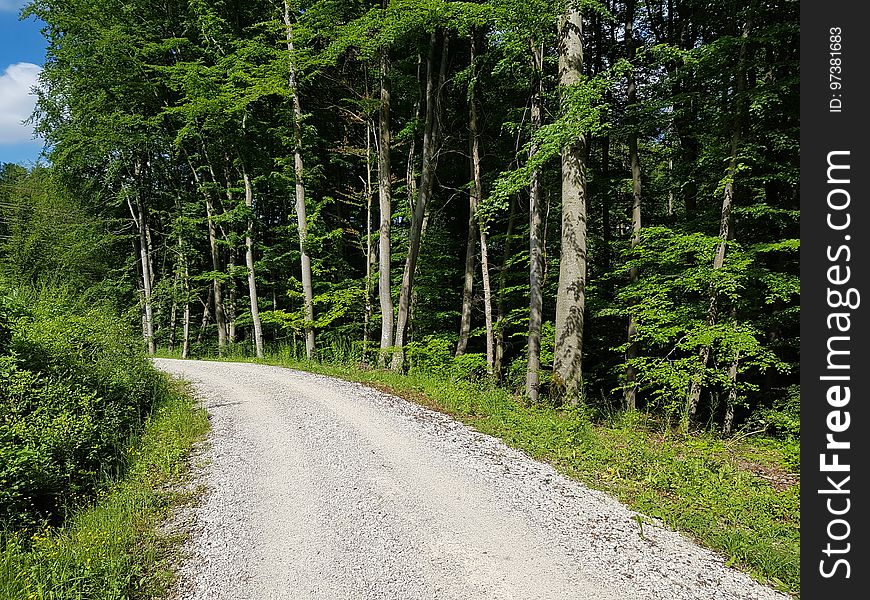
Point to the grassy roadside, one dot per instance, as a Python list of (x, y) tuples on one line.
[(739, 497), (112, 549)]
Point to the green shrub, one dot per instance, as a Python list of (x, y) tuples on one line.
[(74, 386), (469, 367)]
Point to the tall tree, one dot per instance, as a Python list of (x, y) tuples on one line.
[(299, 175), (385, 205), (249, 264), (631, 353), (536, 257), (427, 176), (726, 228), (571, 295)]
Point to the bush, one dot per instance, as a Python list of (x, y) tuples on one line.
[(74, 386)]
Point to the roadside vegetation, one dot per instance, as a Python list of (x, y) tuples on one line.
[(92, 439)]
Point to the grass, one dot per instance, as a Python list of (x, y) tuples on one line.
[(739, 497), (112, 549)]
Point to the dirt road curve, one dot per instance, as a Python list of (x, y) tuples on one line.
[(319, 488)]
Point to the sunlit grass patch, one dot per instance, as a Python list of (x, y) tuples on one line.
[(112, 549)]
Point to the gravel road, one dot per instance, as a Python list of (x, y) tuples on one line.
[(320, 488)]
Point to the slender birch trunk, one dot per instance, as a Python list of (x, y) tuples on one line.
[(536, 257), (385, 206), (249, 263), (145, 257), (298, 168), (571, 296)]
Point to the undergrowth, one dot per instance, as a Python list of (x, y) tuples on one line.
[(112, 549)]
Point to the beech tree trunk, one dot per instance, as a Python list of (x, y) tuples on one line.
[(468, 276), (385, 205), (232, 308), (298, 167), (206, 316), (425, 191), (220, 318), (474, 198), (571, 296), (484, 238), (249, 263), (536, 257), (185, 344), (217, 290), (631, 353), (369, 252), (173, 313), (139, 219), (500, 293)]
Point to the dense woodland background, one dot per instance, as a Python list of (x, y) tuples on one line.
[(591, 202)]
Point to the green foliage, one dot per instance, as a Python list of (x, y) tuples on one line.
[(112, 549), (671, 307), (75, 388)]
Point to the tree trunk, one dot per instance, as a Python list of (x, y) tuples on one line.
[(425, 191), (726, 231), (205, 314), (298, 168), (145, 258), (475, 197), (173, 314), (484, 237), (217, 291), (571, 297), (500, 293), (220, 318), (385, 205), (728, 422), (232, 308), (369, 253), (536, 258), (631, 352), (249, 263), (468, 277), (185, 344)]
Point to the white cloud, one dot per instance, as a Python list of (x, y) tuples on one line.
[(12, 5), (17, 101)]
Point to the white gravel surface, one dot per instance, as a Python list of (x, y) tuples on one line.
[(321, 488)]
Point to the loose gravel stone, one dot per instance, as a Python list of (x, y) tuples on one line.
[(322, 488)]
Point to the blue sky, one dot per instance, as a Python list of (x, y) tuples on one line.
[(22, 54)]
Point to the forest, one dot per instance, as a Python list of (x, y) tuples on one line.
[(580, 211), (617, 182), (591, 202)]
